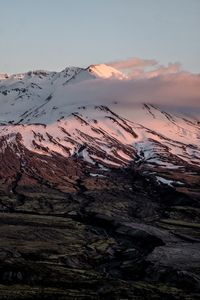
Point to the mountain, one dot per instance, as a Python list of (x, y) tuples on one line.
[(43, 113), (95, 190)]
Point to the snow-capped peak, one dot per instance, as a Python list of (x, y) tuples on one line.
[(98, 71), (105, 71)]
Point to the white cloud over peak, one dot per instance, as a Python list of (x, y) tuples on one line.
[(144, 68), (133, 62)]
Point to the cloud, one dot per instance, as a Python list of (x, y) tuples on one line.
[(165, 86), (169, 87), (172, 68), (144, 68), (133, 62)]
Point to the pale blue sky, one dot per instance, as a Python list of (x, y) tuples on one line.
[(53, 34)]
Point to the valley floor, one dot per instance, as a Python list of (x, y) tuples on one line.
[(121, 236)]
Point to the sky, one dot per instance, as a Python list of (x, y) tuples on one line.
[(54, 34)]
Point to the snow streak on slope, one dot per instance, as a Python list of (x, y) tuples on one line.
[(97, 134)]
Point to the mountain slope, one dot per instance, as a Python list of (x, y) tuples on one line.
[(42, 112)]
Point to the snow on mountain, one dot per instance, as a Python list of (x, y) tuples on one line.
[(45, 112), (23, 94), (104, 71)]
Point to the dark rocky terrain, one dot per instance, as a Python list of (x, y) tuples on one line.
[(118, 235)]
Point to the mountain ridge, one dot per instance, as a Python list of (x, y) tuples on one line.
[(50, 119)]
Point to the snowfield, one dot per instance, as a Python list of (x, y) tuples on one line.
[(51, 114)]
